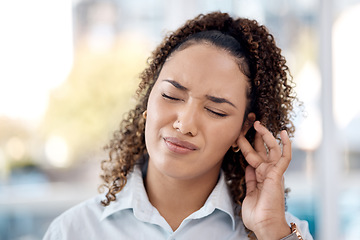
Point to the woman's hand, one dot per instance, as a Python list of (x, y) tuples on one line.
[(263, 209)]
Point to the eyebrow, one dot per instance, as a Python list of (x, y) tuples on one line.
[(211, 98), (176, 84), (219, 100)]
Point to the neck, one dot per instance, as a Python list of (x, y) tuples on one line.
[(176, 199)]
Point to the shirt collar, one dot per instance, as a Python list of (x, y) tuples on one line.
[(220, 199), (133, 196)]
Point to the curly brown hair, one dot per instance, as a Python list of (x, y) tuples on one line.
[(270, 98)]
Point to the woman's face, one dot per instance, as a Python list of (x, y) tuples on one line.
[(195, 112)]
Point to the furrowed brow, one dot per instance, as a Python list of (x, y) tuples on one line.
[(220, 100), (176, 84)]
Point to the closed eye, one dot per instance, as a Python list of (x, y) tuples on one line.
[(216, 113), (169, 97)]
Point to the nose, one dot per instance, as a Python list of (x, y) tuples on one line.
[(187, 120)]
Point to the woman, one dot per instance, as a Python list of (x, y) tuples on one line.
[(198, 157)]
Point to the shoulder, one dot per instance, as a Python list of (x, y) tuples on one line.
[(89, 208), (84, 214)]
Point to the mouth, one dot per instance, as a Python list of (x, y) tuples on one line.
[(179, 146)]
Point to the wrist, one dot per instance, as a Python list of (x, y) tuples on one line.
[(273, 231)]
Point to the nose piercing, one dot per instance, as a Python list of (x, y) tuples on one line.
[(177, 125)]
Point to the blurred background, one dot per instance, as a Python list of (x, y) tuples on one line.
[(69, 70)]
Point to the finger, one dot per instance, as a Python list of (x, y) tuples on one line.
[(286, 153), (250, 180), (259, 146), (250, 155), (274, 149)]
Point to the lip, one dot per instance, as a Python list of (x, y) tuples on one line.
[(178, 146)]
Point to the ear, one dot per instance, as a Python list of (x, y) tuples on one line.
[(248, 123)]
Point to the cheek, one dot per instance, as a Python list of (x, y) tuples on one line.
[(224, 135), (157, 115), (155, 111)]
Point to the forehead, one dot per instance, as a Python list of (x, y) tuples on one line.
[(204, 64)]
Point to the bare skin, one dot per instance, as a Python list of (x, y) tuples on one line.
[(187, 134), (182, 107), (264, 178), (264, 204), (176, 200)]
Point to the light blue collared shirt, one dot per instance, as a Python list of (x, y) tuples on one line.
[(132, 216)]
